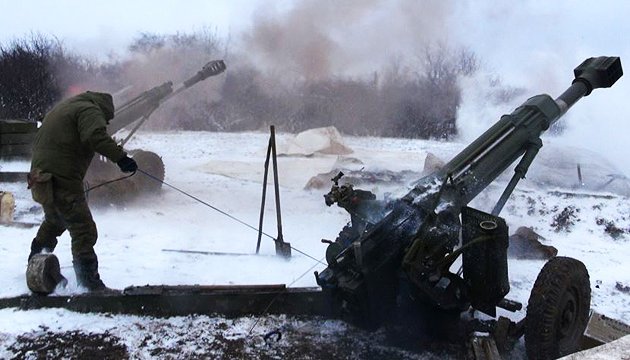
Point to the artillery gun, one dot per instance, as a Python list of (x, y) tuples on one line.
[(392, 265), (135, 112), (399, 258)]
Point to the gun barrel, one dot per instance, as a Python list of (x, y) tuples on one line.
[(144, 104), (418, 235), (139, 106), (593, 73), (210, 69), (481, 162)]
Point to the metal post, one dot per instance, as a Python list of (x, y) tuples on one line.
[(264, 197), (282, 248)]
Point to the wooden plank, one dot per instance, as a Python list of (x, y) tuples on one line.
[(13, 176), (17, 126), (15, 150), (231, 301), (19, 225), (16, 139), (483, 347), (20, 157), (602, 329), (7, 207), (615, 350)]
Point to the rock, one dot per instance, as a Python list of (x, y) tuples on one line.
[(432, 163), (525, 244), (325, 140)]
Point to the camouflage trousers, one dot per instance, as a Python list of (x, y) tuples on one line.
[(68, 211)]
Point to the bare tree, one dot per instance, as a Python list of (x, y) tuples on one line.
[(418, 99), (36, 72), (28, 85)]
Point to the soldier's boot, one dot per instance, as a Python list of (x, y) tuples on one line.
[(86, 271), (38, 247)]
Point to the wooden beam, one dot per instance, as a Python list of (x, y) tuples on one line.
[(230, 301)]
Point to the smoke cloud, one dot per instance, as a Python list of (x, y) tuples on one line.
[(534, 46), (315, 40), (525, 48)]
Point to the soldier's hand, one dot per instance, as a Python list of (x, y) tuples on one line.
[(127, 164)]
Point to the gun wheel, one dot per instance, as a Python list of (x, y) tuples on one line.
[(558, 309), (151, 163)]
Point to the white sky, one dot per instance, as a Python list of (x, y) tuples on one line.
[(510, 36), (100, 27), (531, 43), (537, 43)]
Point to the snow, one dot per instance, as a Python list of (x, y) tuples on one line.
[(619, 349), (225, 170)]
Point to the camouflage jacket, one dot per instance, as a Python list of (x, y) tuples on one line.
[(69, 136)]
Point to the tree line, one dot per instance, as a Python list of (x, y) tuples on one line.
[(417, 99)]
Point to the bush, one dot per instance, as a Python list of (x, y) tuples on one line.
[(28, 85), (36, 73)]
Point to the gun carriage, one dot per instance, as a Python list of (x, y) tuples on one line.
[(415, 264), (135, 112), (399, 258)]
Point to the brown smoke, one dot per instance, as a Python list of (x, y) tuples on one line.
[(318, 39), (315, 63)]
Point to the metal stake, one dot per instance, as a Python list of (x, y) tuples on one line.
[(282, 248)]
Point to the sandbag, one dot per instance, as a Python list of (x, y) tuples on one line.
[(43, 274)]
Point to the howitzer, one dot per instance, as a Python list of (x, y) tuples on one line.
[(135, 112), (143, 105), (399, 263)]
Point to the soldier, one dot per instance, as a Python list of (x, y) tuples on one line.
[(69, 136)]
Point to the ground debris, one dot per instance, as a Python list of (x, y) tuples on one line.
[(200, 337), (623, 288), (525, 244), (610, 228), (565, 220), (68, 345), (363, 178)]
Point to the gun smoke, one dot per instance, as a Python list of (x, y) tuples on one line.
[(319, 40), (316, 64), (385, 68)]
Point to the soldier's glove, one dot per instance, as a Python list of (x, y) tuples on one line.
[(127, 164)]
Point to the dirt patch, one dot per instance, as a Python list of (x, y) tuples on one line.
[(204, 338), (46, 344)]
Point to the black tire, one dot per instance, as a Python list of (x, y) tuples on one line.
[(558, 309), (152, 164)]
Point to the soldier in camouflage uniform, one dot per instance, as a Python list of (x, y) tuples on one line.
[(64, 146)]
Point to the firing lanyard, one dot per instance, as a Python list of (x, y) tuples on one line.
[(231, 217), (222, 212), (317, 262), (108, 182), (199, 200)]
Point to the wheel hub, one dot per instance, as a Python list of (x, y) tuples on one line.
[(569, 314)]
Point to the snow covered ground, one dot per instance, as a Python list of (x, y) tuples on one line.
[(226, 170)]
